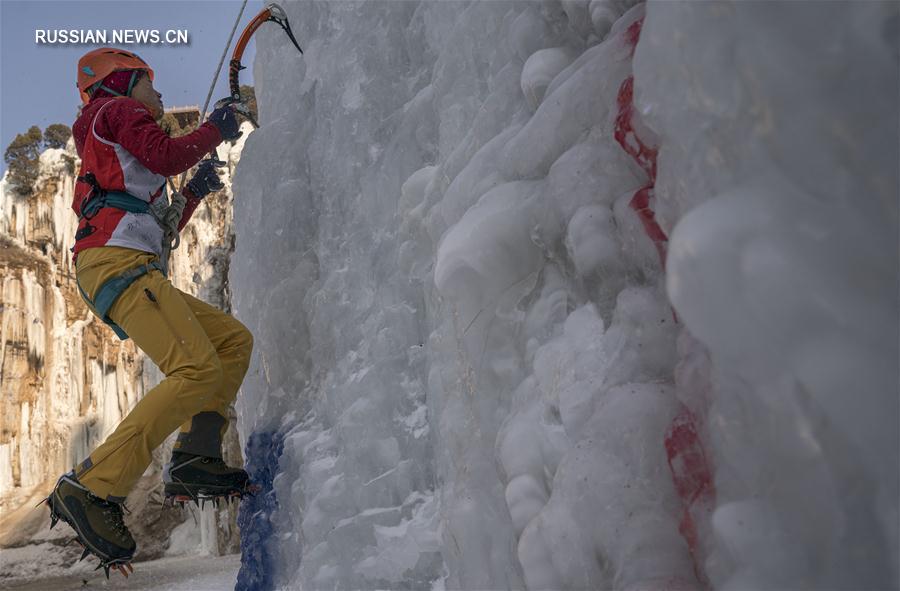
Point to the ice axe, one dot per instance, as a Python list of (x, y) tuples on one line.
[(271, 13)]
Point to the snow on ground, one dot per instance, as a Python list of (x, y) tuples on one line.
[(472, 368), (186, 573)]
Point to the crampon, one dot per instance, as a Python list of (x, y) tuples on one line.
[(107, 563), (181, 494)]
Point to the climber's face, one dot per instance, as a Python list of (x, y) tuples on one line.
[(144, 92)]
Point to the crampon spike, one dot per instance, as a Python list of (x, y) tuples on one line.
[(121, 568), (53, 520), (106, 570), (84, 554)]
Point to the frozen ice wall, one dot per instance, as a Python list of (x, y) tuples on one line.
[(449, 232)]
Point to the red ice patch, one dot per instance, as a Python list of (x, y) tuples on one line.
[(645, 156), (691, 470), (692, 477)]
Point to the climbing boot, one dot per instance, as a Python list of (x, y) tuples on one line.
[(98, 524), (188, 477)]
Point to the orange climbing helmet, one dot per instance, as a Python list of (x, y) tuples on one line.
[(96, 65)]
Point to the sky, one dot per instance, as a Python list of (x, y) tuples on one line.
[(37, 81)]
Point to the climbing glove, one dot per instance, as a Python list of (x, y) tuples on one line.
[(206, 180), (226, 122)]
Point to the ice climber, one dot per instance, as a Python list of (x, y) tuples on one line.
[(120, 197)]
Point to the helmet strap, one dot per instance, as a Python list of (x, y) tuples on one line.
[(135, 76), (107, 89)]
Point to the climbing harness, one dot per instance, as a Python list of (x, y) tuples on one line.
[(109, 292), (99, 198)]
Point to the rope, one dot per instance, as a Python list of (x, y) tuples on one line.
[(172, 216), (216, 77), (169, 224)]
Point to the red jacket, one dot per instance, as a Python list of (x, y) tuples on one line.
[(126, 150)]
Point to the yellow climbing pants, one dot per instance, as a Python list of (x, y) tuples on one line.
[(203, 352)]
